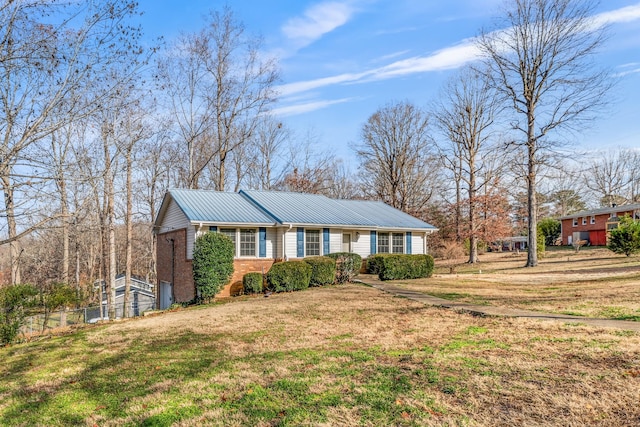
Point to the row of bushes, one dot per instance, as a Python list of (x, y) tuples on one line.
[(337, 268), (287, 276)]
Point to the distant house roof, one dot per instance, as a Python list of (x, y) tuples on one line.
[(602, 211), (287, 208)]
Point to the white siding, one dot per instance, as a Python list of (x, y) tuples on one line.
[(335, 240), (362, 246), (174, 218), (272, 242), (417, 243), (291, 243)]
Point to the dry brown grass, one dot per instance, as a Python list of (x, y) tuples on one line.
[(370, 359), (592, 283)]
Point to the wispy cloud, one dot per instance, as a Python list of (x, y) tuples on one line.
[(448, 58), (317, 20), (627, 72), (292, 110), (618, 16), (444, 59)]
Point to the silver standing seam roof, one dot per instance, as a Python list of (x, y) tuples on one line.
[(218, 206), (279, 207)]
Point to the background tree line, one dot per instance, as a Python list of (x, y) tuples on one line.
[(96, 125)]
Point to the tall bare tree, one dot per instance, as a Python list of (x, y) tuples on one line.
[(50, 54), (219, 85), (612, 175), (397, 157), (466, 114), (542, 60)]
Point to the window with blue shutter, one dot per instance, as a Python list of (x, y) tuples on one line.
[(374, 244), (408, 236), (325, 241), (262, 242), (300, 243)]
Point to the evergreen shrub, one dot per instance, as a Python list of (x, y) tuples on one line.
[(252, 283), (289, 276), (402, 266), (212, 264), (323, 270)]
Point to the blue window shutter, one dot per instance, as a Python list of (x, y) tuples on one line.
[(374, 244), (325, 241), (262, 243), (408, 249), (213, 228), (300, 242)]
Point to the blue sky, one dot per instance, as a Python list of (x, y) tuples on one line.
[(343, 59)]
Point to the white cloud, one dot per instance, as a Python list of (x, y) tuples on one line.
[(444, 59), (626, 73), (448, 58), (292, 110), (317, 20), (624, 14)]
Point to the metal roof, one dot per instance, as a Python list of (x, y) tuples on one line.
[(278, 207), (303, 208), (384, 215), (600, 211), (217, 206)]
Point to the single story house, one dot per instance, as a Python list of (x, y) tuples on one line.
[(594, 225), (270, 226)]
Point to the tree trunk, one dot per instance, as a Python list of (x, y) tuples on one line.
[(14, 246), (473, 238), (129, 226), (532, 254)]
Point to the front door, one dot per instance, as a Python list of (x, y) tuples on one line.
[(166, 295), (346, 242)]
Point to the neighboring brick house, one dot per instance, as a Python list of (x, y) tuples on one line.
[(270, 226), (593, 225)]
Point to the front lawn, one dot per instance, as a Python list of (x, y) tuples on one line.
[(340, 355)]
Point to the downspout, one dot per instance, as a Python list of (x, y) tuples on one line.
[(284, 242), (173, 269)]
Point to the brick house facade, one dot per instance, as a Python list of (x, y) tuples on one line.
[(267, 227), (593, 225)]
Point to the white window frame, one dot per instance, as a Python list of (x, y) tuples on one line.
[(593, 219), (255, 245), (584, 220), (379, 243), (575, 222), (307, 233), (393, 246)]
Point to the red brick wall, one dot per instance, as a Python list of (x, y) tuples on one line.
[(173, 266), (601, 224), (242, 266), (182, 275)]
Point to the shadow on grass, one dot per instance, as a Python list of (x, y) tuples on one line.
[(104, 386)]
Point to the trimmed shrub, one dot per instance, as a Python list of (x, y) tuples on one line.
[(400, 266), (289, 276), (323, 270), (375, 263), (347, 265), (212, 264), (252, 283)]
